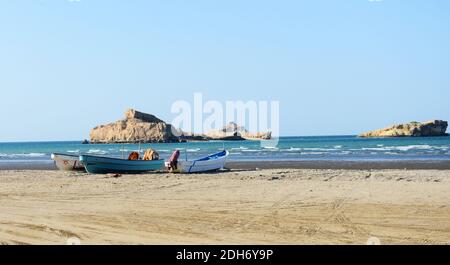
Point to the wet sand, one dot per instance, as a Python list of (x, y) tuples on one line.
[(342, 164), (270, 206)]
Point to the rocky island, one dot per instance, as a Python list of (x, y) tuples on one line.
[(136, 127), (139, 127), (412, 129), (234, 131)]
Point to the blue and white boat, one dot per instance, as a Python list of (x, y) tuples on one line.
[(103, 165), (209, 163)]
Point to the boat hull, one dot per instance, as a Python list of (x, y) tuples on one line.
[(104, 165), (67, 162)]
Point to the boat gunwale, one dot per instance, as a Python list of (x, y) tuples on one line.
[(63, 154), (214, 157), (118, 159)]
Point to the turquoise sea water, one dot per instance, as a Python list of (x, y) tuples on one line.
[(323, 148)]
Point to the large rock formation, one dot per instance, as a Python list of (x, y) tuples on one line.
[(413, 129), (232, 131), (136, 127)]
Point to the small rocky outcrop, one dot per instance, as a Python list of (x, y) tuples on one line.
[(412, 129), (232, 131), (136, 127)]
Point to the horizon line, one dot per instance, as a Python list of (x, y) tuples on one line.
[(81, 140)]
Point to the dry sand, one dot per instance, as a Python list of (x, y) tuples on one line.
[(285, 206)]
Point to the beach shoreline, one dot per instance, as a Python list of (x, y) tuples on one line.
[(274, 164), (342, 164), (266, 206)]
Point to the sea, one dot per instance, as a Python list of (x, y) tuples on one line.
[(305, 148)]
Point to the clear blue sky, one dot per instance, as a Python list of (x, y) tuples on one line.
[(337, 66)]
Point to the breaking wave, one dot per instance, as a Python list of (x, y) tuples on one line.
[(399, 148), (29, 155), (96, 151)]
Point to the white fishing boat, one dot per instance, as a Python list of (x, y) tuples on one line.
[(210, 163), (67, 162)]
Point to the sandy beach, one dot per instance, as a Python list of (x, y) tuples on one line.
[(267, 206)]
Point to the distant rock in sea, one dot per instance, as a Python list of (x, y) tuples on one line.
[(412, 129), (232, 131), (136, 127)]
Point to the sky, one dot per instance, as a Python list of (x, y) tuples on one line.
[(337, 67)]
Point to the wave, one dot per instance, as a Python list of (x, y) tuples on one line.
[(239, 148), (410, 147), (251, 150), (96, 151), (124, 150), (193, 150), (398, 148), (315, 153), (318, 149), (23, 155), (73, 151), (34, 155), (293, 149), (372, 149), (271, 148), (444, 147), (163, 150)]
